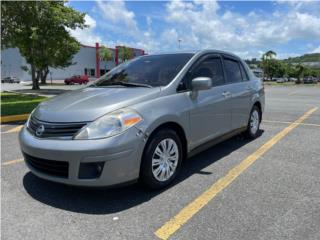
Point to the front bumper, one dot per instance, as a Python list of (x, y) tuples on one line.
[(120, 155)]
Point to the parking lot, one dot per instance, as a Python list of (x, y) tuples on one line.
[(268, 188)]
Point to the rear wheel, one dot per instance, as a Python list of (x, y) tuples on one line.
[(254, 123), (162, 159)]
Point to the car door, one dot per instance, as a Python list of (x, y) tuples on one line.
[(239, 86), (210, 112)]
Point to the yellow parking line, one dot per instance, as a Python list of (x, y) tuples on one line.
[(196, 205), (14, 118), (12, 162), (15, 129), (284, 122)]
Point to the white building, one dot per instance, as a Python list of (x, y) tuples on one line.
[(85, 62)]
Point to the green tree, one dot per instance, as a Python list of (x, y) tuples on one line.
[(39, 29), (299, 72), (125, 53), (280, 69), (290, 70), (105, 55), (271, 67)]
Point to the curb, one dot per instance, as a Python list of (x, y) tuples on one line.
[(14, 118)]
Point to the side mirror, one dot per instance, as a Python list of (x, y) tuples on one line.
[(201, 83)]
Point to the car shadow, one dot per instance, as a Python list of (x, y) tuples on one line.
[(112, 200)]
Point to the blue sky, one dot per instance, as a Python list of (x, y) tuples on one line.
[(247, 28)]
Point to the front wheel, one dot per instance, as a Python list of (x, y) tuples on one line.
[(162, 159), (254, 123)]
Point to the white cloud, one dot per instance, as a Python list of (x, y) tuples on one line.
[(90, 21), (87, 35), (122, 22), (117, 13), (203, 24), (206, 28), (316, 50)]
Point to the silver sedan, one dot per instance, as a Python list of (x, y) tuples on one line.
[(142, 119)]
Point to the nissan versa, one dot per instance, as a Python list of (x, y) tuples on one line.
[(142, 119)]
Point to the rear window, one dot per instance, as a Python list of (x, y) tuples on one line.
[(244, 73), (233, 71)]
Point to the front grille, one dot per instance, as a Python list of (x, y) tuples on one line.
[(50, 167), (43, 129)]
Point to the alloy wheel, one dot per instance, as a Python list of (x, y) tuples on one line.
[(165, 159), (254, 121)]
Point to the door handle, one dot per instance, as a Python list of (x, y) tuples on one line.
[(226, 94), (248, 88)]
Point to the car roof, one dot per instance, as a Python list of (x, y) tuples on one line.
[(198, 52)]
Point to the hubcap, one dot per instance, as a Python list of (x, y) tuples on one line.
[(254, 122), (165, 159)]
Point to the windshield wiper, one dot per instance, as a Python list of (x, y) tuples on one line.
[(131, 84)]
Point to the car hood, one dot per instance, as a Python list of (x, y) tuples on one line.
[(89, 103)]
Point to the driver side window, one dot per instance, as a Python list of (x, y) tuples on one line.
[(209, 67)]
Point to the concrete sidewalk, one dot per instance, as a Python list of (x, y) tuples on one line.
[(47, 90)]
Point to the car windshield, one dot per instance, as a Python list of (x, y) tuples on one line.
[(146, 71)]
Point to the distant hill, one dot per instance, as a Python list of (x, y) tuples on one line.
[(311, 57), (311, 60)]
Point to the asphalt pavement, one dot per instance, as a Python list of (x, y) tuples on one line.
[(277, 195)]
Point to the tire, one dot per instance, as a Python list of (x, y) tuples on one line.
[(253, 123), (150, 166)]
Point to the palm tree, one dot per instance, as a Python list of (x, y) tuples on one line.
[(268, 63), (105, 55), (269, 55), (125, 53)]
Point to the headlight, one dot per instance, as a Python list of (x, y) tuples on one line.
[(28, 121), (110, 125)]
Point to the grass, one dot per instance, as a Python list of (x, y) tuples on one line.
[(15, 104)]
